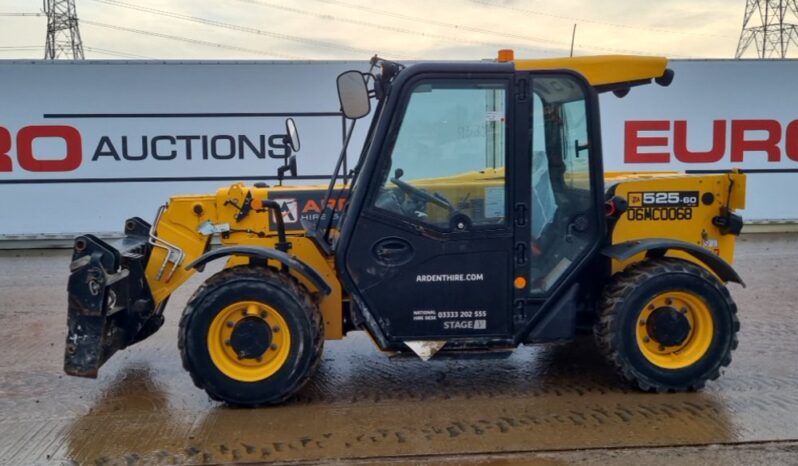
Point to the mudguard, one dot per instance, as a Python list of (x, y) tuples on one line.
[(265, 253), (657, 247)]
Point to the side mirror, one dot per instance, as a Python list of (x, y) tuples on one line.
[(353, 94), (293, 134)]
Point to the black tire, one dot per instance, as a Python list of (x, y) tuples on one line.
[(277, 290), (623, 302)]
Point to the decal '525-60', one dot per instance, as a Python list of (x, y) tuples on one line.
[(662, 205)]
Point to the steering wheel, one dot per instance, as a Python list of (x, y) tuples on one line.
[(419, 193)]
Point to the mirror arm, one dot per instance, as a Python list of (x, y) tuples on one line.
[(334, 178)]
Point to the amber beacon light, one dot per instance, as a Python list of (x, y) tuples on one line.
[(506, 55)]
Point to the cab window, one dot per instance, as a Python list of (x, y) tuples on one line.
[(563, 218), (448, 155)]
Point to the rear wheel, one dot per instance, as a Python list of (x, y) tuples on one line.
[(250, 336), (667, 325)]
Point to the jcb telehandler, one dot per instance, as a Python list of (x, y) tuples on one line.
[(477, 218)]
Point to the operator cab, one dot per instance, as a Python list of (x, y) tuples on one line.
[(476, 203)]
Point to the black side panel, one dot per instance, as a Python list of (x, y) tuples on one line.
[(451, 288), (560, 321)]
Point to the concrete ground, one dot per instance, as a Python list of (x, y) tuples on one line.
[(556, 404)]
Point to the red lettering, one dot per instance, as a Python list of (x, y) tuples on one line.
[(791, 145), (633, 141), (5, 146), (684, 154), (739, 145), (28, 161), (311, 206)]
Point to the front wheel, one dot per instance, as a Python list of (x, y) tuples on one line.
[(250, 336), (667, 325)]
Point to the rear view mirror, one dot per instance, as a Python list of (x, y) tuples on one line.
[(353, 94), (293, 134)]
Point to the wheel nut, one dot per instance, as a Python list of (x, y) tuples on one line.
[(230, 323), (263, 314), (661, 348), (273, 347), (643, 322), (683, 310), (227, 342), (646, 339), (259, 359), (669, 301), (276, 328), (651, 307)]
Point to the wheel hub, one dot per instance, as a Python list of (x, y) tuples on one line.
[(668, 326), (251, 337)]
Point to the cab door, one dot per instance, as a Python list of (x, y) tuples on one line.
[(431, 255)]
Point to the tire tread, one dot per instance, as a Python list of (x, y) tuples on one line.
[(284, 281), (611, 305)]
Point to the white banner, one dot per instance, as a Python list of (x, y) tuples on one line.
[(85, 145), (716, 115)]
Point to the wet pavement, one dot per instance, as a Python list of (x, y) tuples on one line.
[(549, 404)]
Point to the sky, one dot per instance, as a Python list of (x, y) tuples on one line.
[(407, 29)]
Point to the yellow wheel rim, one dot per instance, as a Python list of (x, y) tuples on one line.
[(253, 367), (692, 347)]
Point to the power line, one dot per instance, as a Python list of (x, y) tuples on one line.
[(114, 53), (382, 27), (235, 27), (462, 27), (26, 48), (162, 36), (573, 19), (21, 47), (186, 39)]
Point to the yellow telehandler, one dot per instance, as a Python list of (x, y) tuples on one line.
[(477, 218)]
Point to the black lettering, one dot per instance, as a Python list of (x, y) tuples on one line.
[(277, 141), (105, 149), (245, 142), (154, 148), (231, 147), (128, 156), (204, 147), (188, 144)]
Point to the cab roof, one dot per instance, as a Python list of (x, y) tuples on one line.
[(602, 70)]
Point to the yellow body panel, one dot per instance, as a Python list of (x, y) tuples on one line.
[(179, 224), (602, 69), (692, 224)]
